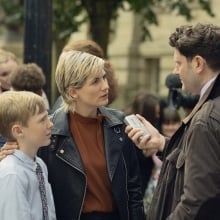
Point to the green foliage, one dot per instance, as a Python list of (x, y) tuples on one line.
[(205, 4), (13, 12), (149, 16), (183, 7), (68, 15)]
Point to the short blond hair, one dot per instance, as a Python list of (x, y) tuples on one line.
[(5, 56), (72, 70), (90, 46), (18, 107)]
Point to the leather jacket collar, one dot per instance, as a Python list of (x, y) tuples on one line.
[(67, 151)]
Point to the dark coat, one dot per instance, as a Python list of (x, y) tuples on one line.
[(189, 183), (67, 175)]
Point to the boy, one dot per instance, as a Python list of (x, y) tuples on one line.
[(24, 119)]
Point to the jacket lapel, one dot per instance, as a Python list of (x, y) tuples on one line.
[(211, 92), (113, 138), (67, 150), (69, 153)]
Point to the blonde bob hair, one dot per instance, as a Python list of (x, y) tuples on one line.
[(16, 108), (72, 70)]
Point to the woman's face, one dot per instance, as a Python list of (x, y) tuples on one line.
[(92, 95)]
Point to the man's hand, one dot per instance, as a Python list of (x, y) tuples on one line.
[(7, 149), (148, 143)]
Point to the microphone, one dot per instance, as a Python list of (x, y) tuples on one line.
[(173, 81), (175, 98)]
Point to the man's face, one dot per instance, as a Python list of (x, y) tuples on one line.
[(5, 71), (186, 71)]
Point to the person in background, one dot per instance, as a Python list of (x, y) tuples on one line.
[(24, 119), (147, 105), (93, 48), (188, 186), (29, 77), (170, 121), (92, 164), (8, 62)]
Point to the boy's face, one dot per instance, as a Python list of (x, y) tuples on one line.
[(37, 133)]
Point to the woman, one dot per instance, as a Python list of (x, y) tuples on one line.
[(93, 48), (92, 165)]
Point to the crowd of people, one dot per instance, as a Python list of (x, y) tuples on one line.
[(83, 163)]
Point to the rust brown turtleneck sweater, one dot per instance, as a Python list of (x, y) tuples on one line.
[(88, 135)]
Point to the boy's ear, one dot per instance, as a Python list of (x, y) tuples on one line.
[(16, 130)]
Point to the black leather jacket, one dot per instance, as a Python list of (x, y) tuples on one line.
[(67, 176)]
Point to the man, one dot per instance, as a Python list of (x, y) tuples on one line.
[(189, 183)]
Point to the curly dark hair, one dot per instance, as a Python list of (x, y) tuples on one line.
[(28, 77), (200, 39)]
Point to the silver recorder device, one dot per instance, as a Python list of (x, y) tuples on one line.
[(134, 122)]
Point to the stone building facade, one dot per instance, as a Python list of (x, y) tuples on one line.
[(139, 66)]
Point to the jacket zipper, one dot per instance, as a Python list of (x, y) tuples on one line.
[(84, 193), (126, 187)]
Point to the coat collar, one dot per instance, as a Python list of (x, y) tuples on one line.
[(212, 92), (114, 136), (61, 126)]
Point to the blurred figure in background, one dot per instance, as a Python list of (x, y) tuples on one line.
[(170, 121), (145, 104), (29, 77), (8, 62)]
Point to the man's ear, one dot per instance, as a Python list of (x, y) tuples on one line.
[(17, 130), (198, 63)]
